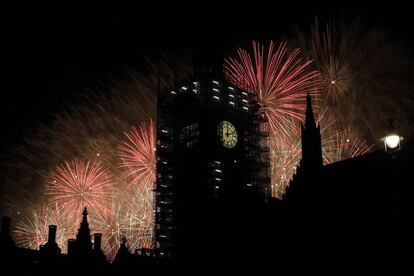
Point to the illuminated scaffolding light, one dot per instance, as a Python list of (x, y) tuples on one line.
[(232, 103), (216, 97), (231, 95), (216, 82), (184, 88), (245, 108), (231, 88), (173, 92), (216, 90)]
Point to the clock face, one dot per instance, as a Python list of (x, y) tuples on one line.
[(227, 134)]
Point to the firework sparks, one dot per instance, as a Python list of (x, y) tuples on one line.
[(130, 217), (343, 145), (327, 50), (137, 153), (32, 231), (280, 79), (80, 183)]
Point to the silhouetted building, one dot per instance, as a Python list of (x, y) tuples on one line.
[(355, 211), (51, 248), (123, 257), (97, 253), (6, 241)]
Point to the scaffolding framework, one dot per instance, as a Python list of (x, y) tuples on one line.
[(183, 112)]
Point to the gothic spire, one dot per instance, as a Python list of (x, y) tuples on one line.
[(311, 140), (310, 122)]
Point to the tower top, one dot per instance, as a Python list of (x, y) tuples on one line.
[(310, 122), (85, 213), (208, 64)]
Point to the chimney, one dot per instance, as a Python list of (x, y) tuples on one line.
[(5, 226), (71, 247), (52, 234), (97, 241)]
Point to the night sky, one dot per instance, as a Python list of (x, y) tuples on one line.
[(50, 56)]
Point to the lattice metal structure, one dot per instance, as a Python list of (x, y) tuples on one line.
[(212, 153)]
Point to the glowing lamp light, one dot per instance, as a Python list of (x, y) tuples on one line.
[(392, 141)]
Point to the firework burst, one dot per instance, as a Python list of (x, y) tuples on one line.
[(363, 89), (280, 79), (137, 153), (329, 53), (79, 183)]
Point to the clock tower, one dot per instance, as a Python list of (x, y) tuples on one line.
[(212, 162)]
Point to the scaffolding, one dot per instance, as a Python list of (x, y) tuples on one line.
[(181, 112)]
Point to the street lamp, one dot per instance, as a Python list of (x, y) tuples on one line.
[(392, 141)]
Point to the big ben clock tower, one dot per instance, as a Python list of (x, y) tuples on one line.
[(212, 158)]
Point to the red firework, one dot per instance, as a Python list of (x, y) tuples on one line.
[(137, 154), (79, 183), (343, 145), (280, 79)]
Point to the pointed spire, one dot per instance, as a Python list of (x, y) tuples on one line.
[(309, 119), (311, 140), (83, 238), (85, 215)]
